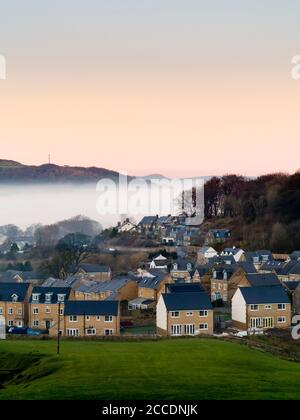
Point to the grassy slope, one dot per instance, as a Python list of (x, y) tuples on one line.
[(171, 369)]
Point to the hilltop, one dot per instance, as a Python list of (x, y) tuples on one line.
[(11, 171)]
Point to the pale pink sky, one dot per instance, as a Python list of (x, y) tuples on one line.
[(179, 92)]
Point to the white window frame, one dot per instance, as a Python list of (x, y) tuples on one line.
[(282, 308), (73, 318), (176, 330), (1, 311), (98, 318), (10, 323), (190, 313), (35, 323), (110, 318), (203, 327), (48, 310), (175, 312), (205, 313), (268, 307), (281, 319), (254, 308), (35, 311), (10, 311), (110, 331), (87, 318)]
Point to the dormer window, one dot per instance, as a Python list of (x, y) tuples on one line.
[(48, 297), (36, 297), (14, 298), (225, 275), (175, 266), (189, 266), (214, 274), (61, 298)]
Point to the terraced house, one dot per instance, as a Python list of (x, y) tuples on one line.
[(46, 307), (184, 312), (91, 318), (260, 308), (14, 299)]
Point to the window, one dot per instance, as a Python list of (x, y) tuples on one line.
[(72, 332), (108, 332), (176, 329), (268, 307), (189, 314), (281, 320), (10, 323), (73, 318), (61, 311), (108, 318), (203, 313), (14, 298), (36, 297), (20, 312), (35, 311), (61, 298), (254, 307), (35, 323), (48, 310), (1, 311), (175, 314), (90, 331), (189, 329), (281, 306), (98, 318), (87, 318), (48, 297), (20, 324), (10, 311), (203, 327), (256, 322)]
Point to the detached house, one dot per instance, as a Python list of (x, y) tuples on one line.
[(91, 318), (14, 303), (237, 253), (97, 272), (46, 307), (184, 313), (205, 253), (259, 308)]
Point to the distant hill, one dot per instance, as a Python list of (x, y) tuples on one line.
[(13, 172)]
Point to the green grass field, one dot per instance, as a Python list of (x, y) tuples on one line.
[(166, 369)]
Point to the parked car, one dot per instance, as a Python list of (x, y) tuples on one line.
[(17, 330)]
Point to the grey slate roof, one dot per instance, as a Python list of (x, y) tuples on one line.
[(94, 307), (9, 276), (259, 280), (104, 286), (291, 285), (42, 291), (9, 289), (187, 301), (148, 220), (184, 287), (152, 282), (248, 267), (264, 295), (295, 255)]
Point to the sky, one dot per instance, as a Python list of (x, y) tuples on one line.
[(177, 87)]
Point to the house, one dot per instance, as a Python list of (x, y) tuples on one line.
[(126, 226), (14, 299), (151, 285), (219, 283), (182, 270), (237, 253), (184, 313), (46, 307), (260, 308), (242, 278), (159, 262), (91, 318), (183, 288), (205, 253), (97, 272), (121, 288), (147, 224), (258, 258), (16, 276), (294, 290), (217, 235)]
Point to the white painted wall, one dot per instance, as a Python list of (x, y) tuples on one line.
[(238, 307), (161, 314)]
